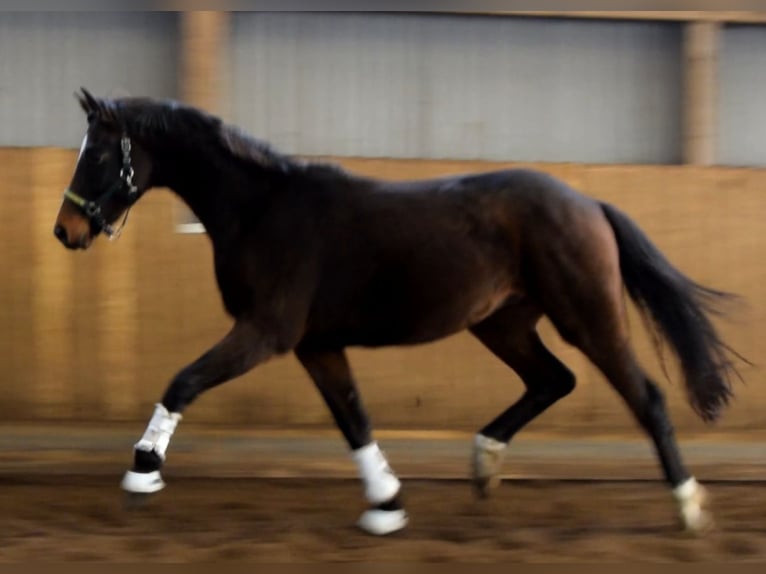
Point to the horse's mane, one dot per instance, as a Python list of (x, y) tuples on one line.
[(151, 118)]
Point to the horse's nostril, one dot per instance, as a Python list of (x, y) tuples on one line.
[(60, 233)]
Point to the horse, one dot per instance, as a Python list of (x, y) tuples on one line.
[(311, 259)]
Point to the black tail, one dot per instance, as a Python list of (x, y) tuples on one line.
[(677, 308)]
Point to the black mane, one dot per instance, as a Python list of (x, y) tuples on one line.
[(190, 126)]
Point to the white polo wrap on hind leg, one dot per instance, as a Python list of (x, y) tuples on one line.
[(156, 439), (381, 485), (488, 456), (691, 498)]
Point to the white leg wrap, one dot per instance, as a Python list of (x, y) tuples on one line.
[(156, 438), (159, 431), (381, 484), (691, 500), (488, 454)]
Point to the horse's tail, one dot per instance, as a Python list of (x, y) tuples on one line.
[(678, 308)]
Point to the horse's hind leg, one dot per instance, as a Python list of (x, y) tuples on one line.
[(583, 294), (332, 376), (646, 401), (510, 334)]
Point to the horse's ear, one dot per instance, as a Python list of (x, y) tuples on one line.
[(96, 108), (89, 104), (83, 103)]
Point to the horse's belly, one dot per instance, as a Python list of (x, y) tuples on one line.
[(486, 306), (413, 320)]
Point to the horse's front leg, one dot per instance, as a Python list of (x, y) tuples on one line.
[(331, 373), (238, 352)]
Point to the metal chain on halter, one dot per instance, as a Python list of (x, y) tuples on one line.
[(126, 175)]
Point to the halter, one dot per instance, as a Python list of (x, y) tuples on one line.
[(92, 208)]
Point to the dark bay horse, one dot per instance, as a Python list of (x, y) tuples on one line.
[(311, 259)]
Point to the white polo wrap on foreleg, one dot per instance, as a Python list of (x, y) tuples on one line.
[(381, 484), (156, 439), (159, 431)]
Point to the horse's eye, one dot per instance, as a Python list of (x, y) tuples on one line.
[(95, 155)]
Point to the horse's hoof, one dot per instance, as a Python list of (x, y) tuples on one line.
[(142, 482), (382, 522), (139, 486)]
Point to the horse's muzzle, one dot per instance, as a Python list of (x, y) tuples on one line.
[(81, 242)]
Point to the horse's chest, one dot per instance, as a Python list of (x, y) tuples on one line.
[(236, 285)]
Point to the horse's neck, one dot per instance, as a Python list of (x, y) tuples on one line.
[(216, 197)]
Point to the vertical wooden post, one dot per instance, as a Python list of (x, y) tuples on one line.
[(700, 61), (203, 40)]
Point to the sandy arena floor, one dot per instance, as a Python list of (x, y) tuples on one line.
[(298, 520)]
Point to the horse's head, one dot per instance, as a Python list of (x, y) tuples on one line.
[(111, 174)]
